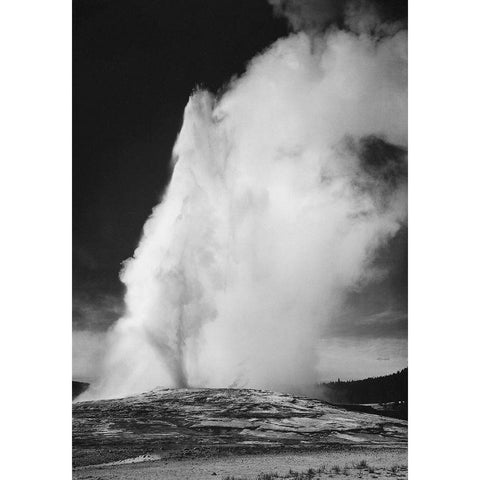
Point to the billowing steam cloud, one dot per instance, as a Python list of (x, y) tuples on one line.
[(309, 15), (313, 16), (282, 190)]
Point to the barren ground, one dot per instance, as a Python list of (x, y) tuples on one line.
[(380, 464), (216, 433)]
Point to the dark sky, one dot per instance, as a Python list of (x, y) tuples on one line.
[(135, 63)]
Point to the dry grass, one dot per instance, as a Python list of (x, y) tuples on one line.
[(323, 472)]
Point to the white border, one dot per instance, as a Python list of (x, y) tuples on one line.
[(35, 241), (35, 273), (444, 200)]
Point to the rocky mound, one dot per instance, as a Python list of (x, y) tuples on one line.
[(182, 422)]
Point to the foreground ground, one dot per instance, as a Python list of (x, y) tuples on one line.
[(366, 464), (208, 433)]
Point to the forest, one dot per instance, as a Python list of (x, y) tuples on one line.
[(389, 388)]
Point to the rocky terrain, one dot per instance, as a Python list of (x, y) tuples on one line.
[(178, 425)]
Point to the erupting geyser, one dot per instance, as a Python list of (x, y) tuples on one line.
[(275, 209)]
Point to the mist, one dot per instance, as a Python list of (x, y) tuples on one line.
[(284, 187)]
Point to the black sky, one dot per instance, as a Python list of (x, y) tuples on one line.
[(135, 63)]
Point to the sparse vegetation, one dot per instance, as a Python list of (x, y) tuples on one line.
[(362, 464), (268, 476), (336, 469), (315, 474), (395, 468)]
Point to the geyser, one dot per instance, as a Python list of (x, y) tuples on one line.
[(274, 212)]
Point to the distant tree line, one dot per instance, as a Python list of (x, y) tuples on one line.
[(78, 388), (389, 388)]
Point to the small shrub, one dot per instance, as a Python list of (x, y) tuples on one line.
[(267, 476), (362, 464), (336, 469)]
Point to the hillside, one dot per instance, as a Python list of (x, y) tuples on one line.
[(179, 423)]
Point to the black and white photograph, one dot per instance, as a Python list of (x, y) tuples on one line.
[(240, 231), (239, 239)]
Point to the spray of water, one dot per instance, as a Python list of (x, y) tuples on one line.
[(275, 209)]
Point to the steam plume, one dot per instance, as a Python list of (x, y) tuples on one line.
[(282, 190), (309, 15)]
